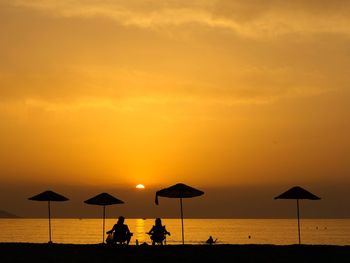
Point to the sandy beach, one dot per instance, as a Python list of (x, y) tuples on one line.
[(25, 252)]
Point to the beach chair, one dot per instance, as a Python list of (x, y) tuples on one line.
[(118, 239), (158, 238)]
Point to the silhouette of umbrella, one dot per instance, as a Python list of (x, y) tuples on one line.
[(103, 199), (297, 193), (49, 196), (179, 191)]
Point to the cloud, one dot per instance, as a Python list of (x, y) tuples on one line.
[(203, 52), (124, 89), (252, 18)]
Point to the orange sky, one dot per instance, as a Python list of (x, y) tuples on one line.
[(211, 93)]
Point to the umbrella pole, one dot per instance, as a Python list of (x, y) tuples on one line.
[(182, 223), (49, 207), (298, 220), (103, 228)]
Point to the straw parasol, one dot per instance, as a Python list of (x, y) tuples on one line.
[(49, 196), (298, 193), (103, 199), (179, 191)]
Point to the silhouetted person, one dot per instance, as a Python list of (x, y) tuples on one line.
[(121, 232), (158, 232), (210, 240)]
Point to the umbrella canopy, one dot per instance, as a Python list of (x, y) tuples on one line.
[(49, 196), (179, 191), (297, 193), (103, 199)]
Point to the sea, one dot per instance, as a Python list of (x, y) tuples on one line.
[(196, 231)]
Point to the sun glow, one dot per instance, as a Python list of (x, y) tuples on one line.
[(140, 186)]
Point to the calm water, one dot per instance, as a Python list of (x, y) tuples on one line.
[(228, 231)]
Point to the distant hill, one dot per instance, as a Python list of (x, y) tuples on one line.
[(4, 214)]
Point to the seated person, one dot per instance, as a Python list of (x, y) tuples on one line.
[(158, 232), (211, 241), (121, 232)]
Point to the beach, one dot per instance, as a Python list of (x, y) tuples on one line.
[(29, 252)]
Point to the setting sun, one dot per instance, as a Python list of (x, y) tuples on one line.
[(140, 186)]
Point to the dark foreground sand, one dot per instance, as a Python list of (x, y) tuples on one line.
[(24, 252)]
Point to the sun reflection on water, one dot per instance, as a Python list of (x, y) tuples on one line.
[(139, 230)]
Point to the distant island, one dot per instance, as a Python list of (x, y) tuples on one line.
[(5, 214)]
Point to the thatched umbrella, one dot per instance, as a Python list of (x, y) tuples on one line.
[(49, 196), (297, 193), (103, 199), (179, 191)]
